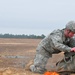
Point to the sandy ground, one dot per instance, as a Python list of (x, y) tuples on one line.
[(15, 54)]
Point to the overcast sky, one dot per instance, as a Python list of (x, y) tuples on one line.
[(35, 16)]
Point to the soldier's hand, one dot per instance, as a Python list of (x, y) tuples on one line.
[(73, 49)]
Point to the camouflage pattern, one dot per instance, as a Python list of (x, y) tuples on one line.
[(39, 64), (40, 60), (71, 25), (55, 42)]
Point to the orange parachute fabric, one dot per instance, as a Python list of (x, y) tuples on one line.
[(51, 73)]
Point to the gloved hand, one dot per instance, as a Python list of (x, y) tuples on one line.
[(73, 49)]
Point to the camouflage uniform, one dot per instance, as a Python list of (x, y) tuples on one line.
[(55, 42)]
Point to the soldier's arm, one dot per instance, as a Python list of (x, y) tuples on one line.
[(58, 43)]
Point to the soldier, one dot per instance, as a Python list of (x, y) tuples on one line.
[(56, 42)]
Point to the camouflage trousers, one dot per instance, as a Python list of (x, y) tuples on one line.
[(40, 60)]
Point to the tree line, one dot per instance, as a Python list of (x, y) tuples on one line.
[(22, 36)]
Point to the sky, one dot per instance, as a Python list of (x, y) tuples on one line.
[(35, 16)]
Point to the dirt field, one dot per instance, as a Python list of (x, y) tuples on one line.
[(16, 53)]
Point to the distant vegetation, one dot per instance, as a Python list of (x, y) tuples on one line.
[(22, 36)]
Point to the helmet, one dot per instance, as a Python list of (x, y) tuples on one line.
[(71, 26)]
